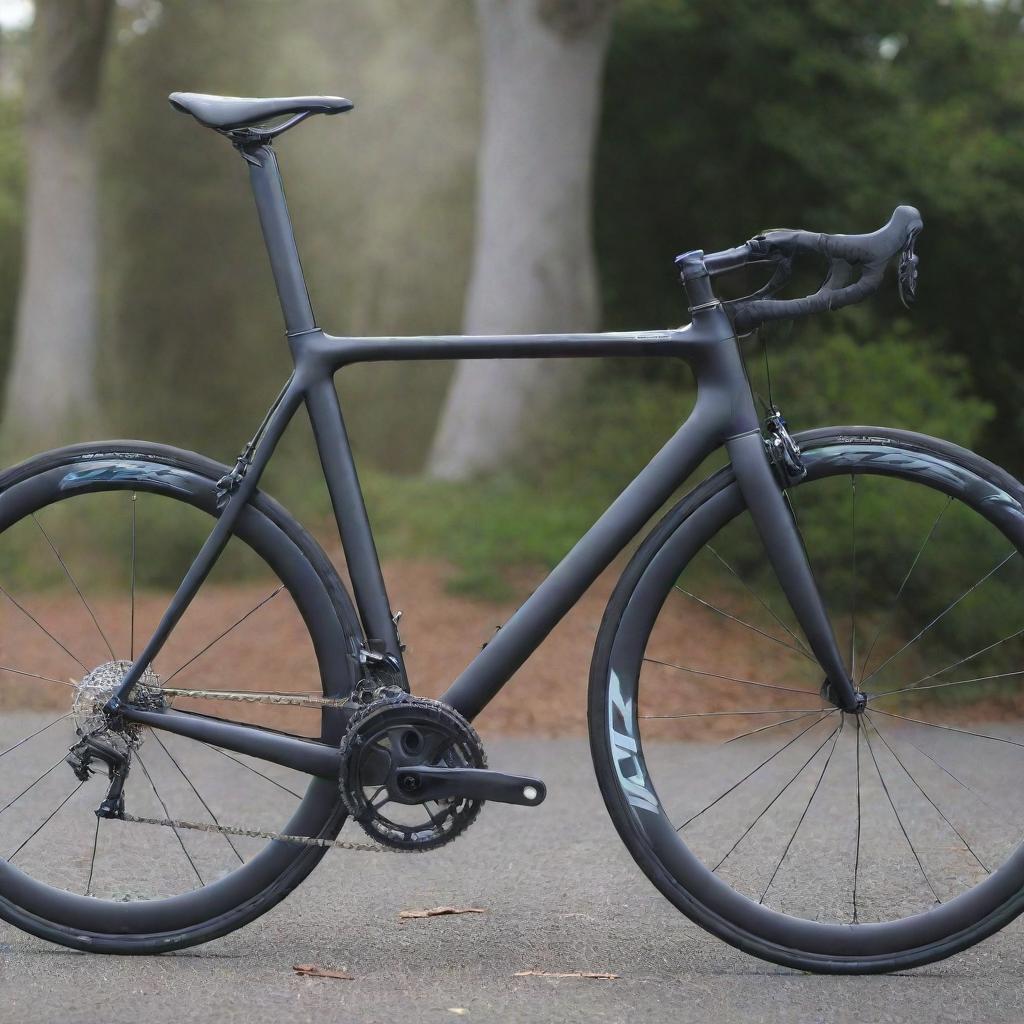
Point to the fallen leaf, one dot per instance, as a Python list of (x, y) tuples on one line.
[(313, 971), (440, 912), (594, 975)]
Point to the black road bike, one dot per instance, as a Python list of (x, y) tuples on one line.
[(849, 805)]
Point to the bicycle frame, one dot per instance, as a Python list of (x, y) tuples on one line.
[(724, 415)]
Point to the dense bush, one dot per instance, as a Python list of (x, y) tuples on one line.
[(724, 117), (602, 437)]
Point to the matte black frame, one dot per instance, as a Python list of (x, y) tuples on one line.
[(724, 415)]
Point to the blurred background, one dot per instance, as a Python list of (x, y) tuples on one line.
[(512, 167)]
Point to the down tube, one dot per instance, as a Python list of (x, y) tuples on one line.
[(546, 606)]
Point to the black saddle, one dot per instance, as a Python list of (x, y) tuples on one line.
[(233, 113)]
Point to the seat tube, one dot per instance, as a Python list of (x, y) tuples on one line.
[(353, 523), (272, 207)]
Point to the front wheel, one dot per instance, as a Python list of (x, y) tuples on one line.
[(827, 841)]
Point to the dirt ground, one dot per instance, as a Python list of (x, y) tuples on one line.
[(269, 651)]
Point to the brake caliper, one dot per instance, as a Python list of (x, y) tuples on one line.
[(783, 452)]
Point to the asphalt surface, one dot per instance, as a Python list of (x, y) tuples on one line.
[(560, 893)]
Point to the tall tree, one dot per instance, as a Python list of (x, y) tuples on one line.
[(53, 372), (534, 267)]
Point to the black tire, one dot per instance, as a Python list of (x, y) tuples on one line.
[(158, 925), (639, 816)]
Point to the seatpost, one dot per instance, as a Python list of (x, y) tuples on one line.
[(268, 190)]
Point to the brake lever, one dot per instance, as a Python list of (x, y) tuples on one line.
[(907, 270)]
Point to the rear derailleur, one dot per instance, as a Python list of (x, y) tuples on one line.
[(96, 747)]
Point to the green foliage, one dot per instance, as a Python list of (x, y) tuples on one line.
[(893, 382), (721, 117), (607, 431), (93, 533), (725, 117)]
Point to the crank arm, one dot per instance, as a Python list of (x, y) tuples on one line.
[(415, 784)]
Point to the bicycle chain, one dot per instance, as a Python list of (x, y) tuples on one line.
[(257, 833), (300, 700)]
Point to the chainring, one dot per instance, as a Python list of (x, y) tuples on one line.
[(404, 731)]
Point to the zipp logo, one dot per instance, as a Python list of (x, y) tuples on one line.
[(624, 749)]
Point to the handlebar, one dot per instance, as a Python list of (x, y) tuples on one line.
[(869, 254)]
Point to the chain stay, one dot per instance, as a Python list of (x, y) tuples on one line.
[(301, 700)]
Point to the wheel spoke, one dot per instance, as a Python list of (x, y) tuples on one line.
[(950, 728), (1001, 814), (255, 771), (735, 785), (951, 682), (199, 796), (32, 785), (771, 803), (970, 657), (803, 814), (35, 675), (729, 714), (38, 732), (774, 725), (856, 856), (899, 820), (21, 608), (743, 622), (167, 815), (903, 583), (233, 626), (53, 814), (938, 810), (92, 859), (74, 584), (731, 679), (939, 617), (760, 600)]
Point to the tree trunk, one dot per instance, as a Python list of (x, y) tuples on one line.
[(52, 381), (534, 269)]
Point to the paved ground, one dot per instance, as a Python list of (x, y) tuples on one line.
[(561, 894)]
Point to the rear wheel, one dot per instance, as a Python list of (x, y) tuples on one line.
[(822, 840), (93, 539)]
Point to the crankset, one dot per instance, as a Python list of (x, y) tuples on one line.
[(414, 774)]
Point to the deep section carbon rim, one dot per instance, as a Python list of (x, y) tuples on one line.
[(834, 841), (90, 545)]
